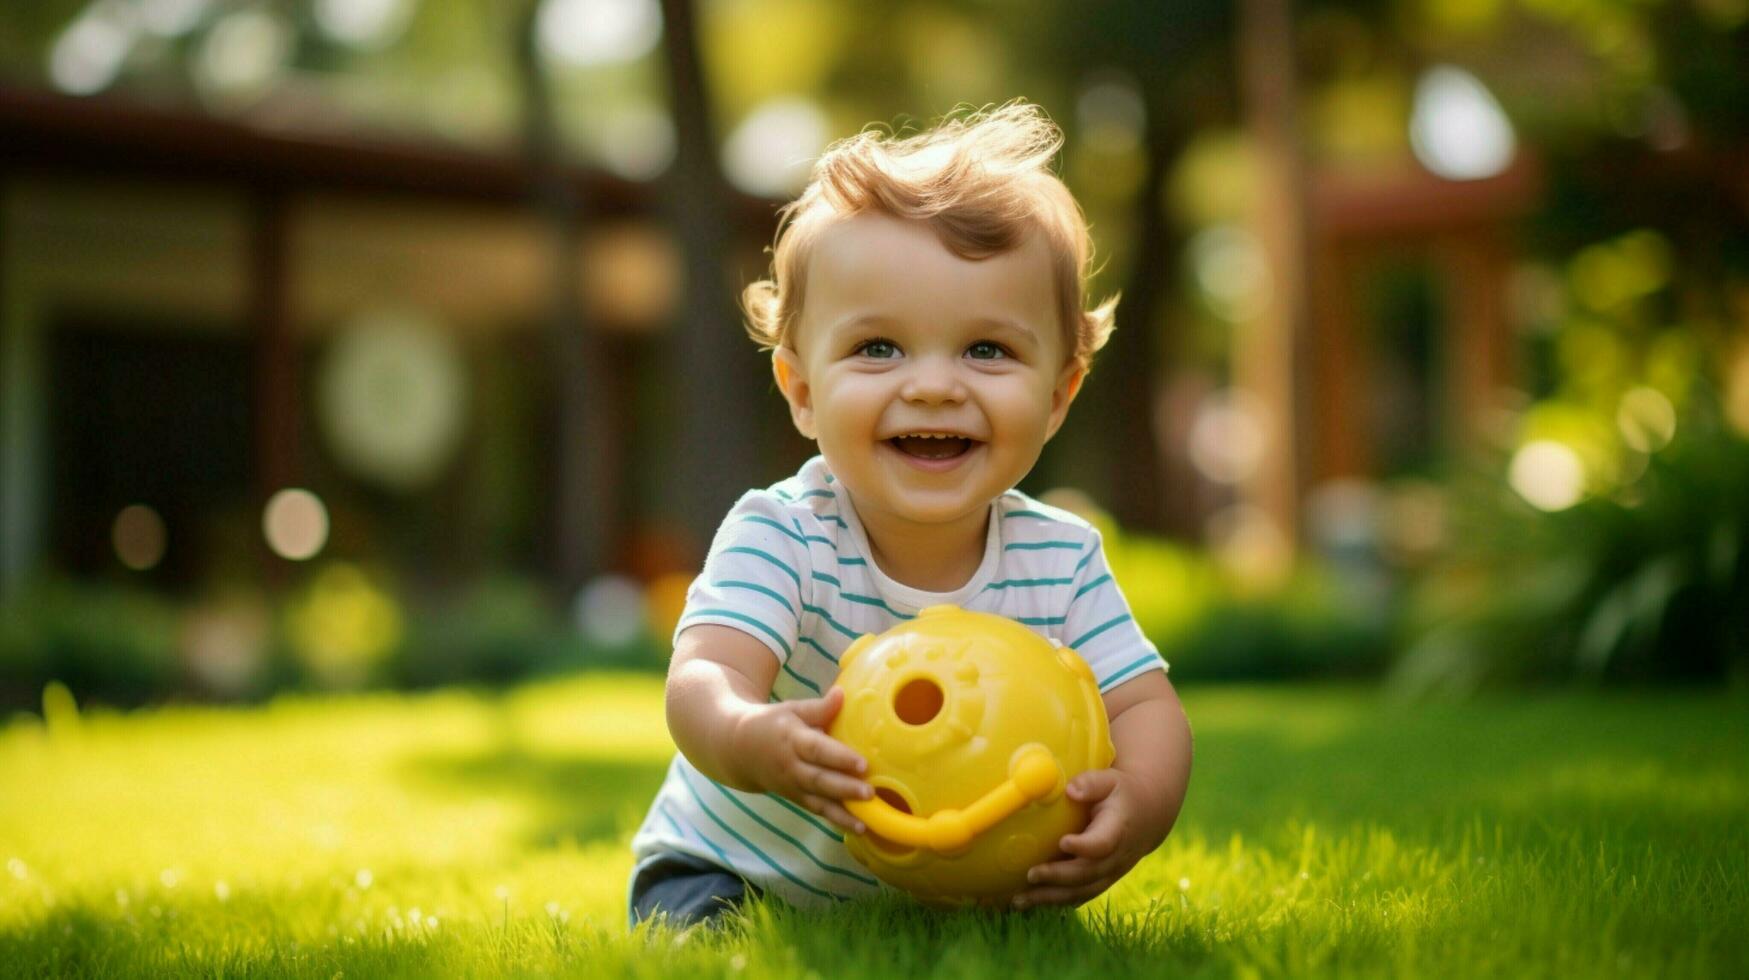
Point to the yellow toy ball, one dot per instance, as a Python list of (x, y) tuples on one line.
[(972, 726)]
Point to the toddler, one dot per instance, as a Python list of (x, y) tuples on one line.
[(926, 320)]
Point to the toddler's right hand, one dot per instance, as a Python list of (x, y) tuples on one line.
[(785, 750)]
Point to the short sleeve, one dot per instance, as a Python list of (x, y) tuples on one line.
[(1099, 625), (754, 576)]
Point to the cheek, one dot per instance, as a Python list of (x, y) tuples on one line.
[(856, 406), (1019, 408)]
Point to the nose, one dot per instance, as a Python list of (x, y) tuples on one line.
[(933, 381)]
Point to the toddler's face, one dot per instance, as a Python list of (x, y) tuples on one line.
[(899, 339)]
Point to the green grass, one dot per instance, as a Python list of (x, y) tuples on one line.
[(466, 834)]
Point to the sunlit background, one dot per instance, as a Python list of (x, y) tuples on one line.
[(372, 383), (366, 343)]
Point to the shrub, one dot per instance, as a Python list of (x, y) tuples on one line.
[(1649, 582), (104, 642), (499, 630), (1305, 630), (1209, 626)]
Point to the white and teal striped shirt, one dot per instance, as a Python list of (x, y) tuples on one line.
[(790, 566)]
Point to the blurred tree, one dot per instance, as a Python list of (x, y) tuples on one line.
[(1643, 107), (581, 510), (1179, 56), (714, 460)]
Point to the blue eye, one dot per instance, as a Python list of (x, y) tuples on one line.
[(985, 350), (881, 349)]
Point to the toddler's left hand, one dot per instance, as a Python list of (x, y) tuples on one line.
[(1117, 836)]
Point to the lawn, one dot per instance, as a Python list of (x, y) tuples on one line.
[(461, 833)]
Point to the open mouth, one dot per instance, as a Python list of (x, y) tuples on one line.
[(932, 447)]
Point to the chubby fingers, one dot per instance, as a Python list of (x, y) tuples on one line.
[(1068, 882), (1101, 838), (834, 811), (819, 712), (1093, 785), (1071, 873), (1062, 894), (823, 750), (825, 767), (830, 783)]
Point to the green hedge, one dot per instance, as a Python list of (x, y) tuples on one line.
[(342, 629), (1648, 583)]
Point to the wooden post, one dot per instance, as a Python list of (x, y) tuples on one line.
[(1475, 267), (1339, 440), (277, 369), (721, 383), (21, 424), (1267, 354), (586, 475)]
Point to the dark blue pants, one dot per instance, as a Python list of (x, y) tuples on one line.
[(688, 889)]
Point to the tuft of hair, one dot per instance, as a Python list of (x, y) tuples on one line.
[(982, 182)]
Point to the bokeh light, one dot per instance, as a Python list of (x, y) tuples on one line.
[(610, 611), (243, 54), (1226, 436), (1646, 418), (1457, 128), (90, 53), (598, 32), (1548, 474), (1536, 297), (363, 23), (392, 398), (295, 524), (1414, 521), (171, 18), (1737, 390), (636, 140), (631, 275), (1216, 179), (1343, 515), (139, 536), (1246, 542), (1111, 114), (1231, 270), (344, 626), (772, 150), (1612, 274), (664, 601), (224, 644)]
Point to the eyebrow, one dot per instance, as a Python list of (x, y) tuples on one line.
[(991, 323)]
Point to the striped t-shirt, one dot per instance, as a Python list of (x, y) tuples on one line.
[(790, 566)]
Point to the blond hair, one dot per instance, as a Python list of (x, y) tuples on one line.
[(982, 183)]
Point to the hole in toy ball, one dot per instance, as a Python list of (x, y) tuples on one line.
[(898, 803), (893, 799), (918, 701)]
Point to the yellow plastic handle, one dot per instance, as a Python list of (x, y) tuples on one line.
[(1032, 775)]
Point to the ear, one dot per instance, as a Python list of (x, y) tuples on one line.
[(786, 367), (1063, 395)]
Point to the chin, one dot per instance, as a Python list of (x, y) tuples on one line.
[(945, 513)]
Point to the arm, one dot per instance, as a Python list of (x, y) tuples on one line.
[(1135, 803), (718, 681), (716, 678), (1153, 742)]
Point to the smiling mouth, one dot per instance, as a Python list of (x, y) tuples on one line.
[(932, 447)]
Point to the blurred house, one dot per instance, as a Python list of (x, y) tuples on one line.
[(199, 313), (1367, 295), (196, 314), (1378, 398)]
